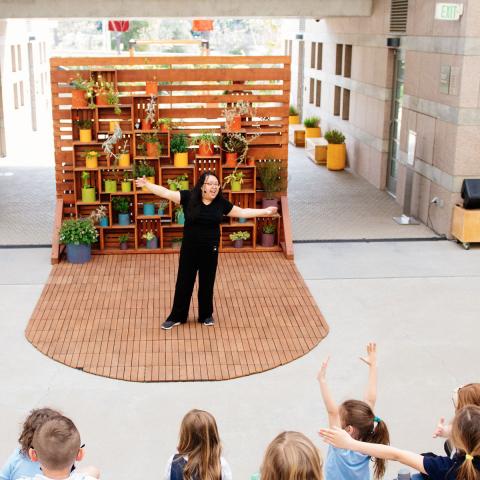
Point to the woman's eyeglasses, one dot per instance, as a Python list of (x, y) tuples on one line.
[(212, 184)]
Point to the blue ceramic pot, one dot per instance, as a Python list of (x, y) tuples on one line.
[(153, 243), (148, 209), (124, 219), (161, 211), (181, 218), (242, 220), (79, 253), (104, 222)]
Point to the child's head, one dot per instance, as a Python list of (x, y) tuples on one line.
[(199, 439), (361, 423), (466, 438), (467, 395), (35, 418), (291, 456), (56, 444)]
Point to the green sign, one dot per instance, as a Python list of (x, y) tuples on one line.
[(448, 11)]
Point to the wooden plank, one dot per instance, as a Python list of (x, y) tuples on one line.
[(287, 246), (55, 253)]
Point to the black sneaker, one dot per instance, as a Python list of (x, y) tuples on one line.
[(169, 324), (209, 321)]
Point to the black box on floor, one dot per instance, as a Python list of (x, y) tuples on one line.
[(471, 193)]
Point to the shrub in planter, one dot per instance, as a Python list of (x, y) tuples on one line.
[(85, 129), (238, 237), (179, 147), (162, 205), (179, 215), (272, 178), (123, 241), (268, 234), (99, 216), (164, 124), (88, 192), (149, 119), (122, 206), (142, 168), (91, 159), (78, 236), (293, 117), (153, 147), (152, 240), (126, 183), (83, 92), (235, 146), (206, 142), (235, 180), (336, 151), (149, 209), (312, 128)]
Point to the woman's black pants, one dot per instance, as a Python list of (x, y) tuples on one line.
[(193, 259)]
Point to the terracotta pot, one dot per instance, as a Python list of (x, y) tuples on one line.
[(78, 99), (101, 100), (205, 149), (163, 127), (146, 124), (251, 161), (231, 160), (235, 125), (153, 150), (151, 88)]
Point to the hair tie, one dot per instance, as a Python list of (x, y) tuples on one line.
[(377, 419), (468, 457)]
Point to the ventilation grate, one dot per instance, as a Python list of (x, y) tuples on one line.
[(398, 16)]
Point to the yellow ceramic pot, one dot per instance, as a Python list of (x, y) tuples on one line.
[(336, 156), (314, 132), (124, 160), (86, 135), (151, 180), (113, 125), (294, 119), (180, 159), (91, 161)]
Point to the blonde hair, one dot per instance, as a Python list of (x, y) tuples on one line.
[(466, 439), (199, 440), (291, 456), (468, 395)]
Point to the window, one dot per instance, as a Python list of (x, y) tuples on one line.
[(19, 57), (319, 55), (338, 60), (15, 96), (337, 101), (346, 104), (22, 100), (312, 90), (318, 93), (347, 64), (13, 55), (312, 55)]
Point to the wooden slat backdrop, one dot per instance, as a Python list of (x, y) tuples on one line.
[(196, 107)]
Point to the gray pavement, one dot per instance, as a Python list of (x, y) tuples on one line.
[(418, 300)]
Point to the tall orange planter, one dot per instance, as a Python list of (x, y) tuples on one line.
[(205, 149), (78, 99), (231, 160), (153, 150), (101, 100), (146, 124), (151, 88), (235, 125), (336, 156)]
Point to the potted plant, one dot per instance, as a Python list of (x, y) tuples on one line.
[(124, 155), (336, 151), (152, 143), (149, 119), (183, 181), (106, 95), (235, 146), (206, 144), (312, 128), (233, 115), (78, 236), (110, 185), (123, 241), (99, 216), (149, 208), (88, 192), (271, 176), (162, 205), (126, 185), (82, 93), (173, 184), (293, 117), (268, 234), (179, 215), (122, 206), (238, 237), (164, 124), (91, 159), (142, 168), (177, 243), (85, 129), (179, 147), (235, 180), (152, 240)]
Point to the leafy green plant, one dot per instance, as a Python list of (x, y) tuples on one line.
[(149, 138), (142, 168), (126, 176), (206, 138), (78, 232), (108, 89), (167, 122), (292, 110), (334, 137), (162, 204), (179, 143), (86, 180), (311, 122), (150, 110), (235, 142), (234, 177), (270, 172), (239, 236), (175, 182), (269, 228), (120, 204), (124, 238), (84, 124), (178, 212), (97, 214), (148, 235)]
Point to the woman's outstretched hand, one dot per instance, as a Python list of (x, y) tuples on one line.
[(141, 182), (271, 211)]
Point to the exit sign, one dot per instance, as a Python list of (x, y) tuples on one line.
[(448, 11)]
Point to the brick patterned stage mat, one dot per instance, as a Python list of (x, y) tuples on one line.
[(104, 318)]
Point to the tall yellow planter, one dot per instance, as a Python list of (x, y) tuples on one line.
[(180, 159), (313, 132), (86, 135), (91, 161), (150, 180), (294, 119), (124, 160), (336, 156)]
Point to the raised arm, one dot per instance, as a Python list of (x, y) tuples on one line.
[(370, 396), (158, 190), (341, 439), (329, 402), (252, 212)]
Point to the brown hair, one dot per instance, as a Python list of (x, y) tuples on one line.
[(291, 456), (35, 418), (466, 438), (199, 440), (368, 428), (57, 443), (468, 395)]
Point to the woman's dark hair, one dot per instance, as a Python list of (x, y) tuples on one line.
[(368, 428), (195, 202)]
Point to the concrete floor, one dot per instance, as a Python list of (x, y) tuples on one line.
[(418, 300)]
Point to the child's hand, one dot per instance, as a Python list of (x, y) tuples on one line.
[(442, 430), (371, 358), (322, 373), (337, 437)]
